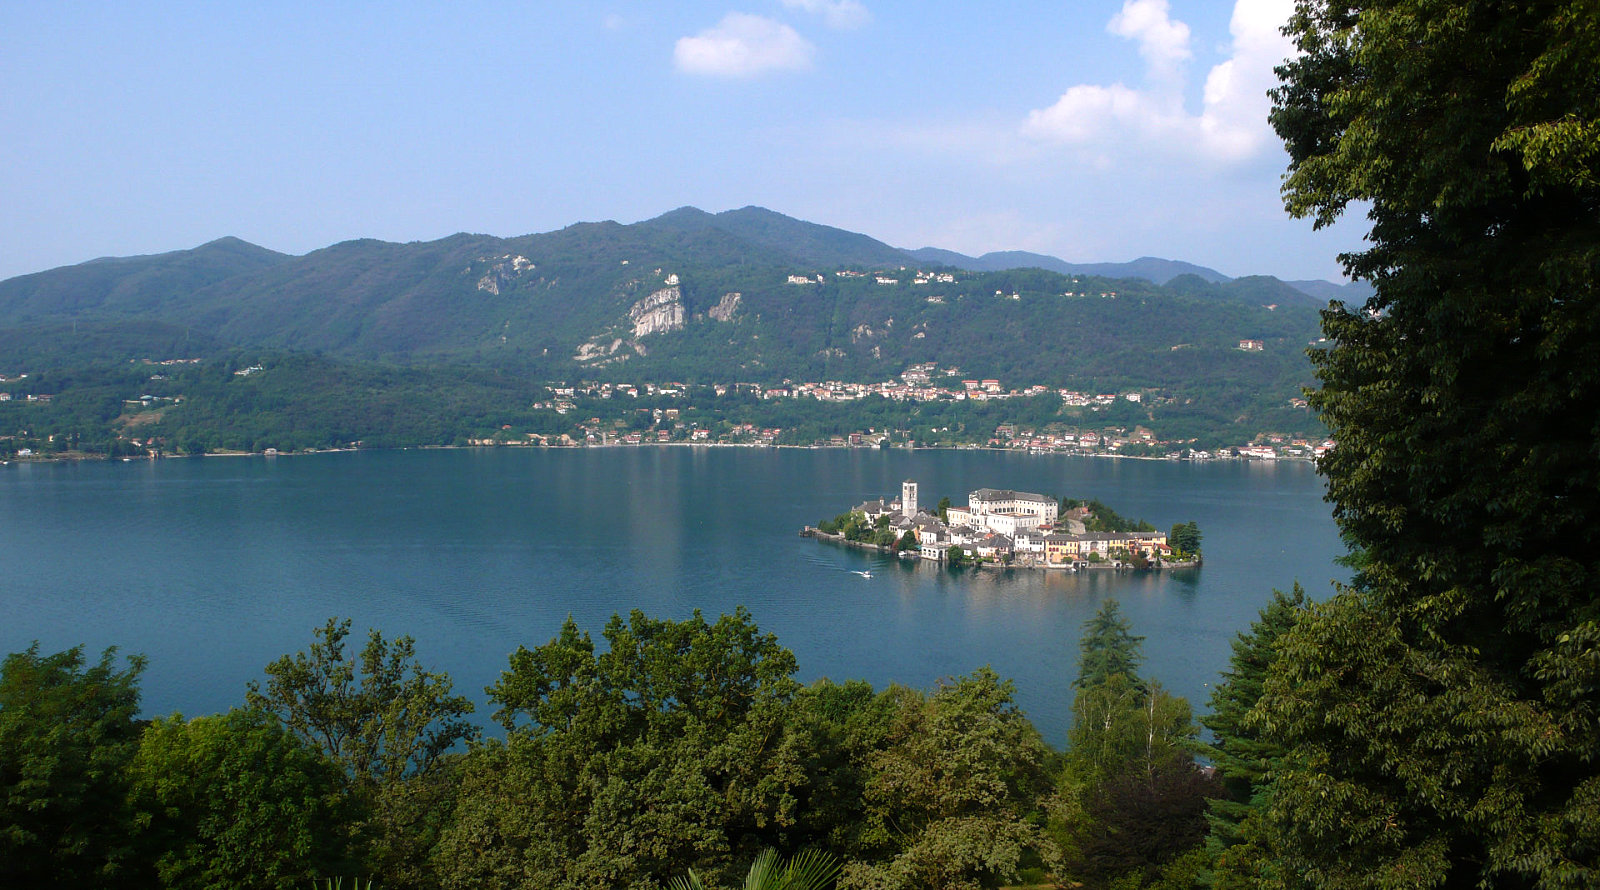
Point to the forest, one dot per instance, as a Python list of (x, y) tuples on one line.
[(302, 402), (661, 749)]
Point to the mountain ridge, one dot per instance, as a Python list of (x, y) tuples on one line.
[(742, 297), (746, 294), (802, 241)]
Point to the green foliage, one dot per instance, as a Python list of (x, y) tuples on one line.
[(810, 870), (67, 735), (381, 716), (1104, 519), (1136, 800), (954, 795), (1185, 538), (668, 751), (1109, 650), (1438, 719), (237, 800), (1244, 755), (388, 723), (852, 525)]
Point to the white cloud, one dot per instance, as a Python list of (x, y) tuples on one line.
[(841, 14), (1232, 124), (743, 45), (1163, 42)]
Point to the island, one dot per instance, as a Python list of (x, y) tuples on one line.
[(1018, 529)]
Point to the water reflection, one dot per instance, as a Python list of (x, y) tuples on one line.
[(214, 567)]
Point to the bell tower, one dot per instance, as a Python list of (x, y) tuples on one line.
[(908, 498)]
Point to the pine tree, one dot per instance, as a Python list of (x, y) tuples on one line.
[(1129, 766), (1108, 648), (1243, 755)]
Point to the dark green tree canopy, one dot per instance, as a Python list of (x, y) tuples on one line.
[(1135, 799), (1185, 538), (381, 715), (654, 671), (237, 800), (1109, 649), (665, 752), (1244, 754), (1443, 718), (67, 734)]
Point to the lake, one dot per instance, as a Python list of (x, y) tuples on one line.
[(213, 567)]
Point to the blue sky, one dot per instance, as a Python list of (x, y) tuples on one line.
[(1093, 131)]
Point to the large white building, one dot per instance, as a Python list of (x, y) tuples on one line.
[(1004, 511), (1004, 500)]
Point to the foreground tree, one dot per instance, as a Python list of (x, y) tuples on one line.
[(1109, 650), (954, 794), (381, 715), (1136, 800), (1443, 718), (389, 723), (67, 734), (1245, 756), (236, 800), (667, 751)]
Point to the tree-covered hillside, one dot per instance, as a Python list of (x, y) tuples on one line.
[(573, 302), (744, 296)]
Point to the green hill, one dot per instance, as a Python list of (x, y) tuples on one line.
[(129, 286), (605, 299)]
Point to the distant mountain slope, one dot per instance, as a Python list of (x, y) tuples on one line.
[(743, 295), (805, 242), (1153, 269), (129, 285), (1352, 294), (1258, 290), (76, 344)]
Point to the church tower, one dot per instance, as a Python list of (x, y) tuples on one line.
[(908, 498)]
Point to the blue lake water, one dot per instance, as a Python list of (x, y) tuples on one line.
[(214, 567)]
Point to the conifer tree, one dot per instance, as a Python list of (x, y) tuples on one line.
[(1243, 755), (1139, 801), (1108, 648)]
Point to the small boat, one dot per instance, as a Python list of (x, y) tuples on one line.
[(862, 574)]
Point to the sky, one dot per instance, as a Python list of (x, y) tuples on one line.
[(1092, 131)]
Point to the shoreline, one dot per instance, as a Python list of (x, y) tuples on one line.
[(817, 534), (73, 457)]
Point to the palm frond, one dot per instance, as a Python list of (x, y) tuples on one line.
[(810, 870)]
